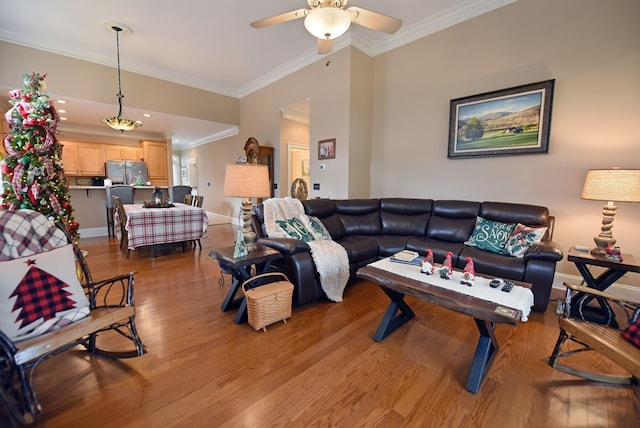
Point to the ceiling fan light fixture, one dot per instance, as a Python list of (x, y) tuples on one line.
[(327, 22), (119, 122)]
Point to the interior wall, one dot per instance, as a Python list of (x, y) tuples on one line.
[(90, 81), (590, 47), (328, 89), (360, 126)]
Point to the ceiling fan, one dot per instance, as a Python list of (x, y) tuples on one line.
[(328, 19)]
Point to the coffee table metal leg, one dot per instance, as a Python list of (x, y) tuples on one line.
[(485, 351), (391, 321)]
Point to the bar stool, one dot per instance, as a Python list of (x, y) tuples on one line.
[(125, 193)]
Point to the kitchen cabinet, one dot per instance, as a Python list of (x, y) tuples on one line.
[(156, 156), (82, 159), (130, 153)]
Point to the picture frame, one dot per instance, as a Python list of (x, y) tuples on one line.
[(327, 149), (510, 121)]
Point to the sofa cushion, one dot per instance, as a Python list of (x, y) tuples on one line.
[(439, 248), (452, 221), (359, 216), (318, 229), (632, 332), (295, 229), (531, 215), (522, 238), (325, 211), (360, 248), (39, 293), (388, 245), (401, 216), (490, 235)]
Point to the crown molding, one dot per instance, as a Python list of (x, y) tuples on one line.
[(208, 139)]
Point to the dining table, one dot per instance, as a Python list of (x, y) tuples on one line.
[(151, 226)]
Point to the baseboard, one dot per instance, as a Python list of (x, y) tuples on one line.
[(93, 232), (618, 289)]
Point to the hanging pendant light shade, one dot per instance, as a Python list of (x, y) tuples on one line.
[(120, 122)]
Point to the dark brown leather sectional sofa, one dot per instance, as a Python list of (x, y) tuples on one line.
[(370, 229)]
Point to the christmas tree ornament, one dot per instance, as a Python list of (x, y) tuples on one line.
[(446, 270), (469, 273), (427, 263)]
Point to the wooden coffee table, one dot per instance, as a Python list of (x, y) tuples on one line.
[(486, 314)]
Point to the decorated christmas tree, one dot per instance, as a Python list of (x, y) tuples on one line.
[(32, 172)]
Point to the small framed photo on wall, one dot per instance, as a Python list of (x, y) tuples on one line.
[(327, 149)]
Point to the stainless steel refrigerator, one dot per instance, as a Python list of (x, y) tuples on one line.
[(127, 172)]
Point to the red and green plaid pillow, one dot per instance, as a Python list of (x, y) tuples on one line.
[(632, 332)]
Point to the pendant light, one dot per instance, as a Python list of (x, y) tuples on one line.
[(120, 122)]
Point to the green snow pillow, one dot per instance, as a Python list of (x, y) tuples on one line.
[(490, 235)]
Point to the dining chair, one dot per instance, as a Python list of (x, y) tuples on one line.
[(177, 193), (124, 235), (197, 202), (125, 193)]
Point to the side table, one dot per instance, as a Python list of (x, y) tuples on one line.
[(613, 271), (241, 270)]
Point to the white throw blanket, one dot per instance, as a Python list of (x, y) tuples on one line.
[(330, 258)]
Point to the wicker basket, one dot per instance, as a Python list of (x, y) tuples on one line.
[(268, 303)]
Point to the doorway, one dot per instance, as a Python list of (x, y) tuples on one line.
[(298, 166), (294, 138)]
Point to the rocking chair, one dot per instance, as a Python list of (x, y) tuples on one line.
[(592, 336), (29, 238)]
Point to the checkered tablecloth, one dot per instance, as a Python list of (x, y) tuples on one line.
[(152, 226)]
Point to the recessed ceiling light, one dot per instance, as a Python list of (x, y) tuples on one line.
[(146, 115), (61, 111), (63, 118), (62, 101)]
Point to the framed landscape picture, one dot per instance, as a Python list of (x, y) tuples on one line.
[(506, 122)]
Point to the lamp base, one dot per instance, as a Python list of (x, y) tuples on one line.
[(247, 233)]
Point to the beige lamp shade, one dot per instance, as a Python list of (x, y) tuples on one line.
[(247, 181), (617, 185)]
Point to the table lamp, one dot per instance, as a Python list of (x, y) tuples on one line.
[(246, 181), (611, 185)]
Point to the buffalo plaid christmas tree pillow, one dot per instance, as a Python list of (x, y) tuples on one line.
[(632, 332), (39, 293)]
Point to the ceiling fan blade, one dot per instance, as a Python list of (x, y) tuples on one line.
[(375, 20), (325, 46), (278, 19)]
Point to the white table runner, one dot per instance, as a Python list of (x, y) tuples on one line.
[(518, 298)]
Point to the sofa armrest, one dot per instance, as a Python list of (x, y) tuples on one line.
[(545, 250), (286, 246)]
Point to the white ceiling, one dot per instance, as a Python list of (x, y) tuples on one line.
[(203, 44)]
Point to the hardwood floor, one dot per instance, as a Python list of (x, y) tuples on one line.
[(321, 369)]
